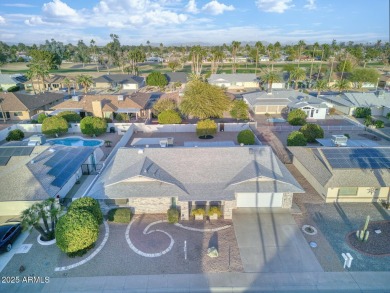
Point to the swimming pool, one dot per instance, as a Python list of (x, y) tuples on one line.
[(76, 141), (276, 120)]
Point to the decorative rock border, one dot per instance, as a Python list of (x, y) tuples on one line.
[(304, 227), (202, 230), (93, 254), (145, 232), (45, 243)]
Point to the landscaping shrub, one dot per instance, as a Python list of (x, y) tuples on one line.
[(297, 117), (13, 89), (173, 215), (122, 117), (33, 121), (169, 117), (332, 111), (215, 210), (156, 79), (120, 215), (15, 134), (93, 126), (108, 120), (90, 205), (362, 112), (246, 137), (296, 138), (54, 125), (379, 124), (41, 118), (239, 110), (368, 121), (206, 127), (70, 116), (347, 135), (76, 232), (312, 131), (198, 212)]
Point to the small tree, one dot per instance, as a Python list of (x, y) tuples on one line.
[(76, 231), (246, 137), (379, 124), (41, 118), (70, 116), (173, 65), (362, 112), (296, 138), (239, 110), (93, 126), (206, 127), (164, 105), (54, 125), (311, 132), (169, 117), (173, 215), (156, 79), (15, 134), (297, 117), (88, 204)]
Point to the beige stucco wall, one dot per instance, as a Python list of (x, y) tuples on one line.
[(14, 208), (97, 109), (228, 208), (150, 205), (184, 210), (363, 195), (274, 109), (102, 85), (25, 116)]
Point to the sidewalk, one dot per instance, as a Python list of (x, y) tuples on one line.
[(217, 282)]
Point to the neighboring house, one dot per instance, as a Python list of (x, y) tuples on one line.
[(279, 101), (264, 59), (150, 180), (176, 78), (119, 82), (378, 102), (154, 59), (10, 80), (282, 84), (32, 174), (17, 106), (234, 81), (346, 174), (53, 82), (106, 105)]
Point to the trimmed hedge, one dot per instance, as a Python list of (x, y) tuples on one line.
[(119, 215), (206, 127), (312, 131), (215, 210), (362, 112), (297, 117), (169, 117), (15, 134), (93, 125), (198, 212), (70, 116), (246, 137), (41, 118), (76, 232), (88, 204), (54, 125), (173, 215), (296, 138)]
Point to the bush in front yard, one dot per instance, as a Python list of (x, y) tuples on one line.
[(246, 137), (76, 232), (198, 212), (362, 112), (120, 215), (312, 131), (297, 117), (173, 215), (296, 138), (88, 204), (215, 210), (15, 134), (379, 124)]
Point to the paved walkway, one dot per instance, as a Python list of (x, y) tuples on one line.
[(217, 282)]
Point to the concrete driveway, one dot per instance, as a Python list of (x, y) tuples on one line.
[(270, 242)]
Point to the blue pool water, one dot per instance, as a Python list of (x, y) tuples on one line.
[(276, 120), (75, 141)]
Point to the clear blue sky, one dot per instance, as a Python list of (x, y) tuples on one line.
[(194, 21)]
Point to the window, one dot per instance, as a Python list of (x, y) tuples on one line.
[(348, 191), (317, 111), (18, 114)]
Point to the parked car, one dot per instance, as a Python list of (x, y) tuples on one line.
[(8, 234)]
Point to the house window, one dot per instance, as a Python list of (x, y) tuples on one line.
[(16, 114), (352, 191), (317, 111)]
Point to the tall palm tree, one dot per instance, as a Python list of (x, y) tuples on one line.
[(86, 81), (321, 86), (271, 77), (301, 46), (216, 57), (297, 75), (30, 74), (68, 83), (342, 85), (315, 47), (331, 67), (197, 54), (93, 50), (235, 47), (259, 49)]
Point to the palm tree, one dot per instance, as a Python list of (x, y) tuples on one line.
[(30, 74), (235, 47), (321, 86), (301, 46), (331, 67), (216, 56), (93, 49), (298, 74), (86, 81), (270, 78), (68, 83), (342, 85), (196, 55), (315, 47), (259, 49)]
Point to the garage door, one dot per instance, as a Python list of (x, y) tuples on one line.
[(259, 200)]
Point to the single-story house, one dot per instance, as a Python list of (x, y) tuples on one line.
[(150, 180), (29, 174), (54, 82), (346, 174), (10, 80), (119, 81), (378, 102), (175, 78), (234, 81), (18, 106), (279, 101), (106, 105)]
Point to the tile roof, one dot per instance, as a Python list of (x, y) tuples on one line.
[(214, 173), (109, 102), (22, 102)]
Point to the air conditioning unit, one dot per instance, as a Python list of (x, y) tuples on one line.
[(339, 140), (76, 98), (120, 97)]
